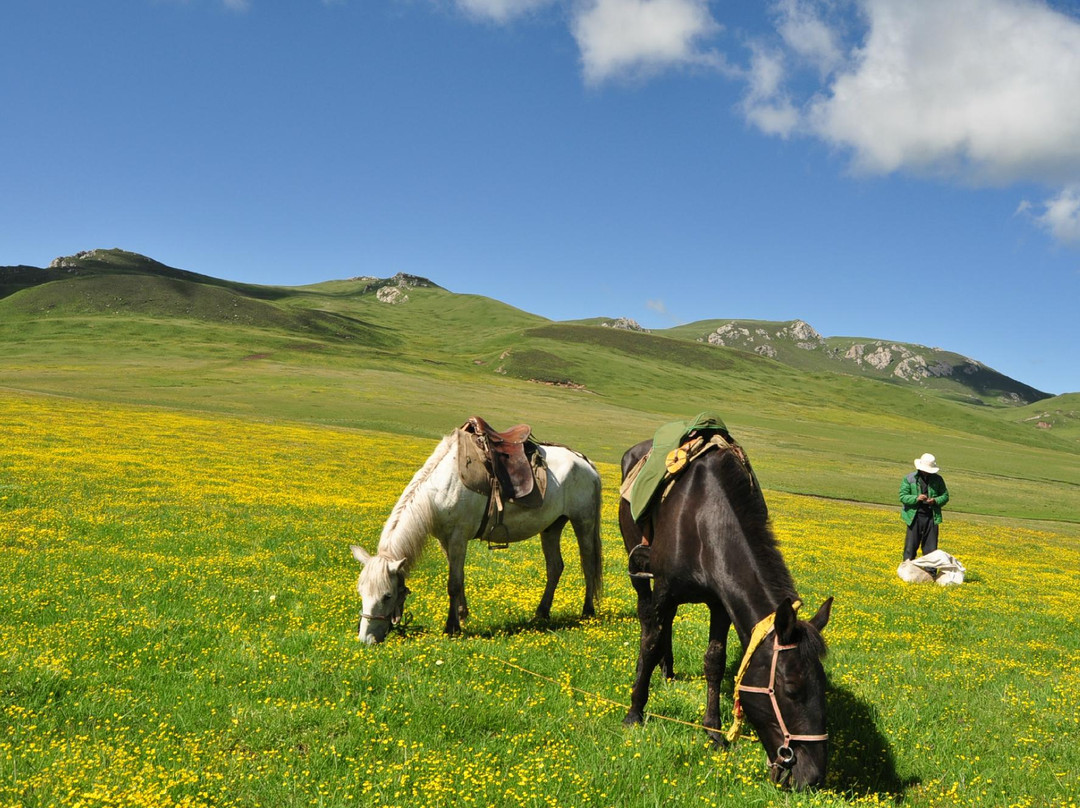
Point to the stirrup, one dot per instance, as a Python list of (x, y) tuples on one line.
[(638, 562)]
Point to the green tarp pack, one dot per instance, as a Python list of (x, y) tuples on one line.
[(666, 439)]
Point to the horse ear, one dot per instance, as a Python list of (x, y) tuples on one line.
[(360, 554), (821, 619), (395, 566), (785, 621)]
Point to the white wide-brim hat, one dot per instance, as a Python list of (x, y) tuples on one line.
[(927, 463)]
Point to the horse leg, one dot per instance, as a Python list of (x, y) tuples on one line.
[(715, 663), (550, 540), (455, 585), (655, 640), (587, 530), (667, 657)]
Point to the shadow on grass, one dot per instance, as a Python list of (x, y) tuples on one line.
[(861, 761), (530, 625), (407, 629)]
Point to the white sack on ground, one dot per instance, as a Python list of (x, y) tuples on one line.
[(947, 569)]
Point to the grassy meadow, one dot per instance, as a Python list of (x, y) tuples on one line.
[(177, 627), (124, 329)]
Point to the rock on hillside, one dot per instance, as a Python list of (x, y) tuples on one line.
[(400, 282), (759, 338), (624, 323), (902, 361), (76, 261), (798, 343)]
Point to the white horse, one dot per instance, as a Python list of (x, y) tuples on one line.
[(437, 503)]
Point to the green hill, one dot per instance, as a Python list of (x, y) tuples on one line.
[(1060, 414), (406, 356), (796, 343)]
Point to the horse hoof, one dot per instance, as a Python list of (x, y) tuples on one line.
[(633, 719), (718, 741), (542, 615)]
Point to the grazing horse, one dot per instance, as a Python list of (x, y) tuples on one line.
[(437, 503), (711, 543)]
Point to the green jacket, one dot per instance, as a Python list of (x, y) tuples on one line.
[(909, 495)]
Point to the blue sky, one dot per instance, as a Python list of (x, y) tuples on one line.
[(899, 169)]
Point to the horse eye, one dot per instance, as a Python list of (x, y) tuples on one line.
[(386, 596)]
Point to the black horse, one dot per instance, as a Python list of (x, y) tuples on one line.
[(711, 543)]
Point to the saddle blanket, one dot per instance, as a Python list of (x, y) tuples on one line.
[(645, 479)]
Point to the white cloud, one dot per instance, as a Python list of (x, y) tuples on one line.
[(619, 38), (984, 90), (1060, 215), (766, 104), (808, 35), (500, 10), (660, 307), (622, 38), (977, 91)]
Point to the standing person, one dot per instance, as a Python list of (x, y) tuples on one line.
[(922, 493)]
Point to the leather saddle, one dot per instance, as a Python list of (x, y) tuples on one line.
[(507, 454)]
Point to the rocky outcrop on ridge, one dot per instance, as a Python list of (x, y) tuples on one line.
[(903, 361), (797, 343), (624, 323), (757, 337), (392, 290), (74, 261)]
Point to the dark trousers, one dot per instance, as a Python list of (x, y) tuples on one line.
[(922, 531)]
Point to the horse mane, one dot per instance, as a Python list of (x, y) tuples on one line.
[(410, 522), (746, 501)]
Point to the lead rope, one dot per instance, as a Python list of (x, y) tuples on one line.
[(597, 696)]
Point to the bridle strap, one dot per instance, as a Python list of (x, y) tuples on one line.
[(394, 617), (785, 755), (762, 630), (376, 617)]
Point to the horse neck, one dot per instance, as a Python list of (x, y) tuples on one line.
[(750, 605), (755, 578), (760, 592), (410, 522)]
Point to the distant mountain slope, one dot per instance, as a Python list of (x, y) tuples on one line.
[(93, 263), (411, 315), (119, 283), (1060, 414), (796, 343)]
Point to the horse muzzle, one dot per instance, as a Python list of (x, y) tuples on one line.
[(372, 629), (797, 767)]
